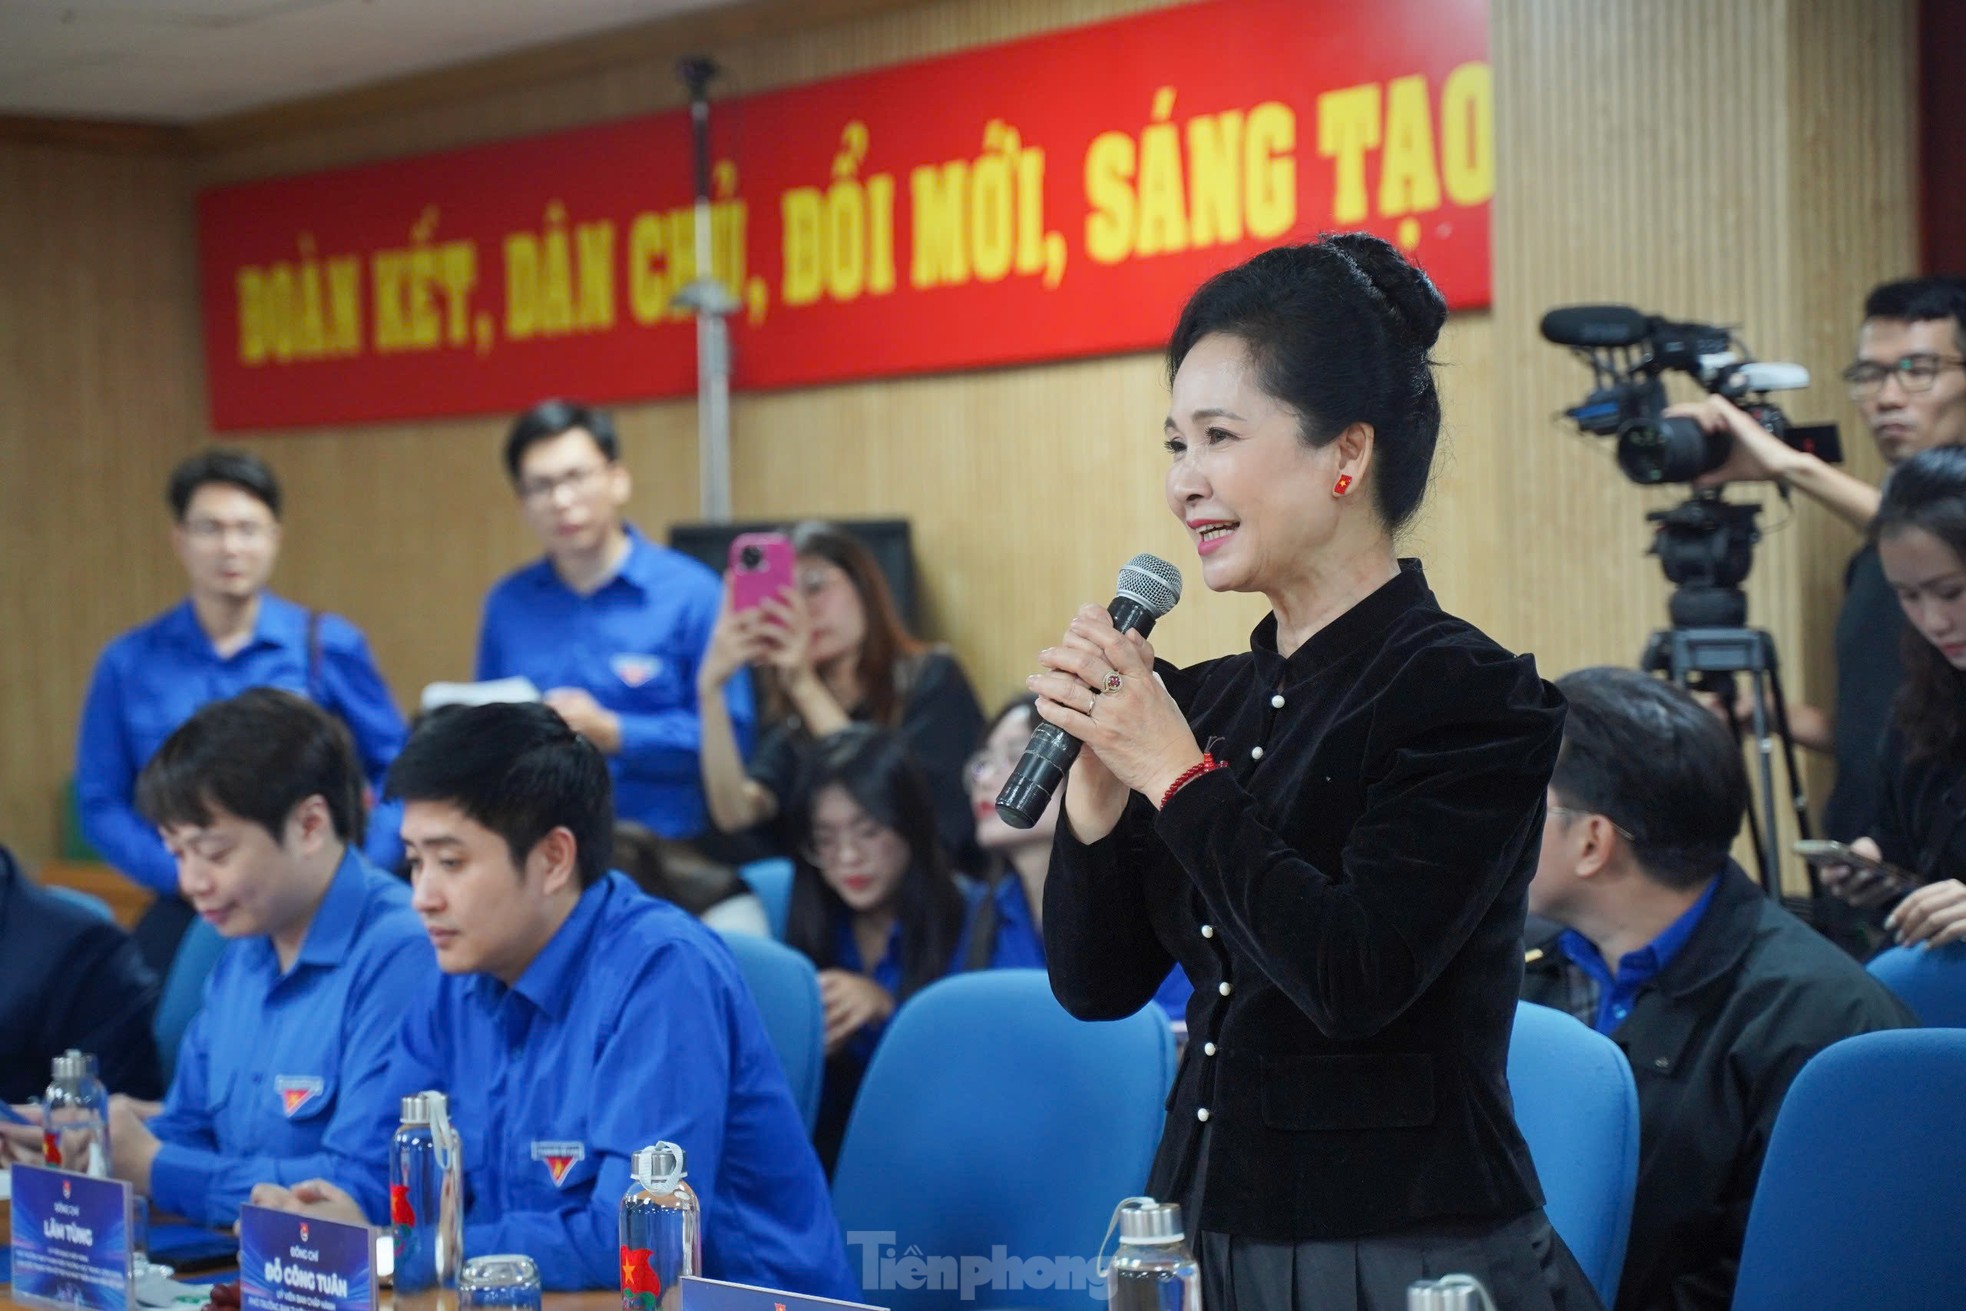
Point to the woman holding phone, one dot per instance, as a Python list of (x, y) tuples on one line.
[(1920, 532), (831, 651), (1333, 832)]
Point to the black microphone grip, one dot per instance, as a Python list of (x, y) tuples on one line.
[(1045, 762)]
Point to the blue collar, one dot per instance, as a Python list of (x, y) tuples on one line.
[(640, 569), (548, 982), (1013, 907), (847, 950), (1648, 962), (642, 566), (280, 623), (339, 916)]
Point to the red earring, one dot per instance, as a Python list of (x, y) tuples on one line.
[(1344, 484)]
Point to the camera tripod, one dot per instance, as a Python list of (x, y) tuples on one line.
[(1708, 660)]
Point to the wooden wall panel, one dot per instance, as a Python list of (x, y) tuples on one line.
[(100, 393), (1748, 162)]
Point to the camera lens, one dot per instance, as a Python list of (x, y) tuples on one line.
[(751, 558), (1670, 450)]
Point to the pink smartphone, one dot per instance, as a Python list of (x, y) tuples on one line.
[(761, 564)]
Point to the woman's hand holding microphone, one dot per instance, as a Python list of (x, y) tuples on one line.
[(1099, 685)]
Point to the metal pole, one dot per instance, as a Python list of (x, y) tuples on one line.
[(712, 304)]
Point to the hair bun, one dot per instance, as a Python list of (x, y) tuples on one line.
[(1416, 302)]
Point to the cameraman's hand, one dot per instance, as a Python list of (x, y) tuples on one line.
[(1757, 454)]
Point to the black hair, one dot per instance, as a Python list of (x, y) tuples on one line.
[(226, 466), (256, 755), (517, 769), (547, 420), (1339, 330), (1921, 300), (874, 766), (1644, 754), (1928, 491), (983, 925)]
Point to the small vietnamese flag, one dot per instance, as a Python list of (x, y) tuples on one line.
[(640, 1285), (400, 1210)]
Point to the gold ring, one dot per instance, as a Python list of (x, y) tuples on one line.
[(1114, 681)]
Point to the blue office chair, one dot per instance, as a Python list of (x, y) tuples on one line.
[(1932, 983), (991, 1121), (1577, 1106), (787, 991), (1864, 1181), (772, 881), (184, 991), (88, 901)]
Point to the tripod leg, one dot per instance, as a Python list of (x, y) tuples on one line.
[(1769, 840), (1798, 797)]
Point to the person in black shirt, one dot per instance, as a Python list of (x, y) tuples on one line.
[(1920, 825), (830, 653), (1343, 871), (71, 979)]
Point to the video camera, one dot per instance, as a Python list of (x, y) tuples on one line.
[(1629, 353)]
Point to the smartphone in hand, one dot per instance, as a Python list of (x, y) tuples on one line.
[(761, 565), (1866, 872)]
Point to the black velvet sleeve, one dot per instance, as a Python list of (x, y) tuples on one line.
[(1460, 750), (1100, 947)]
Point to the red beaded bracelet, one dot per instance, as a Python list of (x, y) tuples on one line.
[(1209, 764)]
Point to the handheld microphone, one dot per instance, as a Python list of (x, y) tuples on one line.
[(1148, 588), (1595, 325)]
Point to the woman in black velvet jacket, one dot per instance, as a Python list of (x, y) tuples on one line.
[(1344, 873)]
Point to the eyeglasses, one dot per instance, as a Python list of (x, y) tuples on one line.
[(1616, 827), (1914, 373), (984, 764), (248, 532), (541, 491), (827, 845)]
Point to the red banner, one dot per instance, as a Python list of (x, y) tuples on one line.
[(1057, 196)]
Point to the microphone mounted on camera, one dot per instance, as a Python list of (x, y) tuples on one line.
[(1706, 543)]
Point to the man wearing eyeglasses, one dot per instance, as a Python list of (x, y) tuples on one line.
[(228, 635), (1909, 384), (608, 625), (1653, 937)]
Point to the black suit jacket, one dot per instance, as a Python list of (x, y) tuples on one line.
[(1348, 897), (69, 978)]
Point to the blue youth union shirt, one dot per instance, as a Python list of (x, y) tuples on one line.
[(1020, 946), (634, 645), (630, 1027), (152, 679), (285, 1076)]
